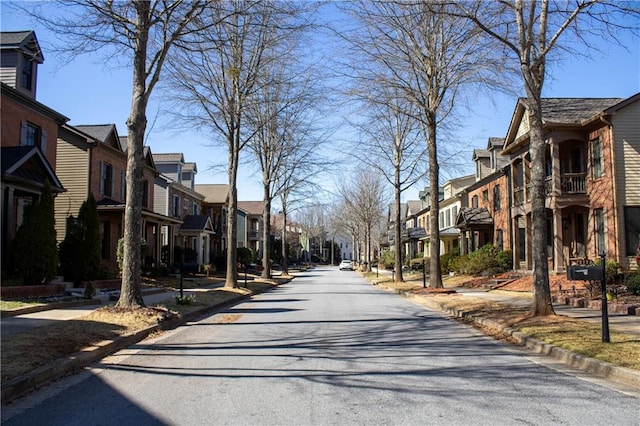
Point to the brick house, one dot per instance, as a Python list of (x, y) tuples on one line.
[(593, 180), (28, 133), (485, 219)]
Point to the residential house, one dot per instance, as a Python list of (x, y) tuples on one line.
[(592, 165), (216, 205), (451, 201), (92, 159), (28, 133), (414, 232), (253, 226), (486, 218), (176, 197), (390, 241)]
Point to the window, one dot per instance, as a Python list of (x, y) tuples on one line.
[(195, 208), (474, 202), (485, 195), (600, 231), (448, 218), (441, 223), (596, 157), (176, 206), (500, 239), (123, 186), (106, 172), (26, 80), (455, 213), (632, 229), (32, 135), (106, 240), (145, 194), (496, 198)]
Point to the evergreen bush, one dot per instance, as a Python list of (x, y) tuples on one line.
[(34, 247), (80, 251), (632, 282)]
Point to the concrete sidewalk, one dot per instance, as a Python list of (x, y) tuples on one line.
[(10, 326), (629, 324)]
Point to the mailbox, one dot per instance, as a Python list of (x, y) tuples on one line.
[(585, 273)]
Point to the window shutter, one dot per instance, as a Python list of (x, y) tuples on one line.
[(23, 133), (43, 142)]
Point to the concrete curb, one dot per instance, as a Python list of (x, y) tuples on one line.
[(47, 307), (35, 379), (599, 368)]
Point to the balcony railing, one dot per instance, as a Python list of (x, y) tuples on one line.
[(254, 234), (574, 183)]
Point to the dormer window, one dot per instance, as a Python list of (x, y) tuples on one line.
[(26, 80)]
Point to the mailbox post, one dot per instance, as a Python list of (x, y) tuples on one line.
[(605, 308), (594, 273)]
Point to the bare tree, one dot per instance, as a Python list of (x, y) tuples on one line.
[(143, 32), (530, 32), (429, 57), (364, 198), (393, 146), (215, 81), (312, 221), (280, 120)]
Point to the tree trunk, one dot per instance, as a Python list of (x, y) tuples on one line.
[(542, 304), (266, 233), (131, 291), (398, 233), (435, 272), (285, 263), (231, 277)]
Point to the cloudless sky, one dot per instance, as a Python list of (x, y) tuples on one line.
[(91, 92)]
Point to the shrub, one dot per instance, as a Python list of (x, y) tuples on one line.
[(388, 259), (34, 247), (188, 299), (446, 260), (504, 259), (80, 251), (481, 260), (419, 262), (632, 282)]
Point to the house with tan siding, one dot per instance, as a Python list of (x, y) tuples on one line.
[(92, 159)]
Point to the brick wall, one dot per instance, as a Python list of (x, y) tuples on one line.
[(13, 114)]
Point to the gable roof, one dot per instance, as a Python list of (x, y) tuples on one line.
[(557, 112), (98, 131), (196, 223), (190, 167), (252, 207), (24, 41), (27, 165), (169, 158), (470, 217), (213, 193)]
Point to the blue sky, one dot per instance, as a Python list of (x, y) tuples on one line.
[(92, 92)]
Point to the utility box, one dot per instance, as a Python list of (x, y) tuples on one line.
[(585, 273)]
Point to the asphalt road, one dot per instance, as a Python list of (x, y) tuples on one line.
[(326, 349)]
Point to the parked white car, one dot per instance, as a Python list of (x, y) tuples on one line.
[(346, 264)]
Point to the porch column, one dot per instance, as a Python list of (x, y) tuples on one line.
[(558, 243), (556, 184), (199, 252), (207, 245), (529, 231), (463, 242)]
